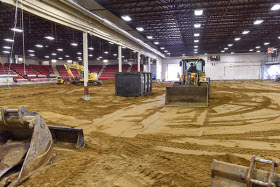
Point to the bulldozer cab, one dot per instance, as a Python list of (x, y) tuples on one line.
[(198, 63)]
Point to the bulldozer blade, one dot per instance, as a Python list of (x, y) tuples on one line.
[(229, 175), (67, 137), (187, 96)]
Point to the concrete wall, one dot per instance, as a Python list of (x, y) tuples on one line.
[(231, 67)]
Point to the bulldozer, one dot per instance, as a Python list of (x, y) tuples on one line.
[(92, 77), (229, 175), (193, 87), (26, 144)]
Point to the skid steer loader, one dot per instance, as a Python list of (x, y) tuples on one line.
[(26, 143), (193, 89), (230, 175)]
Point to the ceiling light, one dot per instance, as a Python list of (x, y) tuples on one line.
[(276, 7), (165, 51), (222, 51), (197, 25), (245, 32), (49, 37), (53, 54), (122, 56), (126, 18), (198, 12), (100, 57), (237, 39), (278, 37), (106, 52), (196, 34), (258, 51), (90, 55), (91, 48), (195, 52), (7, 47), (17, 29), (225, 48), (156, 43), (111, 43), (60, 49), (7, 52), (232, 53), (251, 50), (266, 43), (196, 46), (31, 51), (162, 48), (123, 47), (258, 47), (257, 22), (31, 55), (97, 59), (74, 44), (67, 56), (114, 54), (168, 53), (39, 45), (196, 41), (195, 49), (20, 59), (60, 58), (140, 29), (183, 54), (79, 53), (9, 40), (47, 56), (53, 60), (149, 37), (69, 61), (230, 45), (105, 60)]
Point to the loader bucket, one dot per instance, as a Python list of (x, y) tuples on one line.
[(229, 175), (187, 96)]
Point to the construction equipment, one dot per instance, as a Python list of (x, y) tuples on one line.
[(26, 143), (230, 175), (193, 88), (92, 77)]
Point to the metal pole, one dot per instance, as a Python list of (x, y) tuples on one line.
[(149, 64), (85, 52), (138, 61), (120, 58)]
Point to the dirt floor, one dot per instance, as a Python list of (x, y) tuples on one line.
[(139, 142)]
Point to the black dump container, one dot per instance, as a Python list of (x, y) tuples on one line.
[(132, 84)]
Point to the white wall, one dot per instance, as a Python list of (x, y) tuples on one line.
[(231, 67)]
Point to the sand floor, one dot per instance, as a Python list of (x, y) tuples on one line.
[(139, 142)]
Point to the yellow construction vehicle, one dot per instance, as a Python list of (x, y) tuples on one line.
[(193, 87), (92, 77)]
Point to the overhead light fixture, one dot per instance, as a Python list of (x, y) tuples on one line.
[(74, 44), (31, 51), (230, 45), (69, 61), (79, 53), (266, 43), (195, 52), (257, 22), (60, 58), (122, 56), (237, 39), (39, 45), (7, 52), (222, 51), (90, 55), (105, 60), (198, 12), (141, 29), (123, 47), (9, 40), (251, 50), (183, 54), (197, 25), (60, 49), (232, 53), (20, 59), (111, 43), (53, 60), (49, 37), (17, 29), (53, 54), (168, 53), (100, 57), (196, 34), (115, 54), (245, 32), (258, 47), (67, 56), (149, 37), (91, 48), (276, 7), (31, 55), (156, 43), (196, 46), (278, 37), (97, 59), (126, 18), (165, 51), (258, 51), (162, 48), (225, 48), (195, 49), (106, 52), (196, 41), (6, 47), (47, 56)]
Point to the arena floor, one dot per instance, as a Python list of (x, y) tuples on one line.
[(139, 142)]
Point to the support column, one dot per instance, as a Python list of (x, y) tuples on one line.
[(157, 69), (85, 57), (149, 64), (120, 57), (138, 61)]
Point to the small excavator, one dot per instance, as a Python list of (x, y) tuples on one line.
[(26, 144), (193, 87), (92, 77)]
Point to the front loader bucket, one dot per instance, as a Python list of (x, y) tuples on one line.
[(25, 145), (187, 96), (229, 175)]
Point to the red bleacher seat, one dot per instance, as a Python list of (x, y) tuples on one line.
[(110, 70), (43, 69), (94, 68), (19, 68), (134, 68), (4, 70)]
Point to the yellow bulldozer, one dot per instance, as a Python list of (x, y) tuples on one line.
[(193, 87), (92, 77)]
